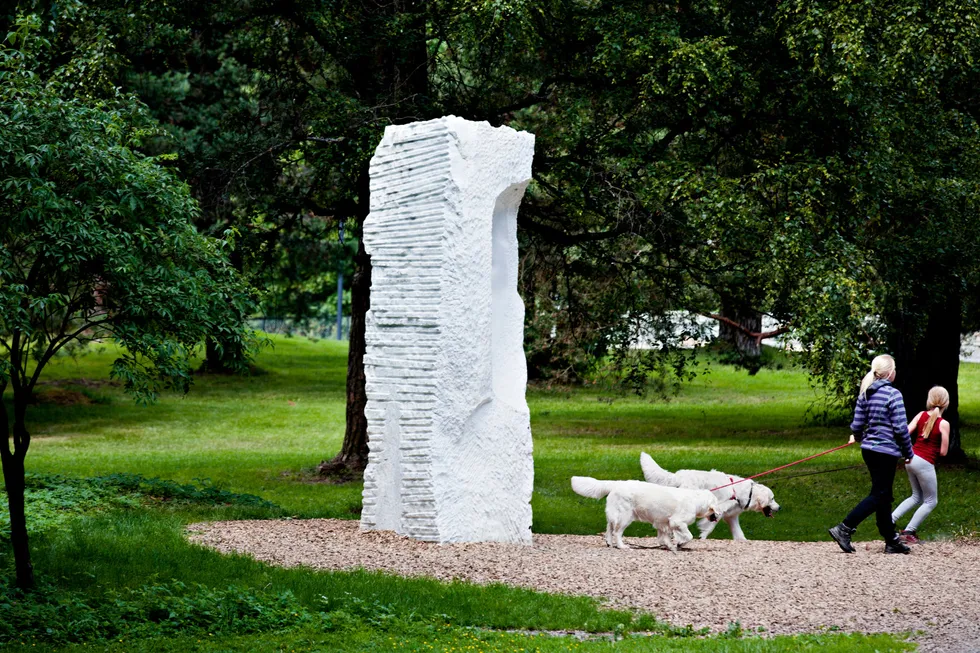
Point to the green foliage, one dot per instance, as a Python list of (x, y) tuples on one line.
[(52, 500), (814, 163), (96, 238), (52, 616), (179, 617)]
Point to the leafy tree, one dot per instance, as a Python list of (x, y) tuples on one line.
[(814, 163), (96, 240), (722, 157), (908, 74)]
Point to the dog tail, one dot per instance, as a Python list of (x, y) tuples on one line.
[(590, 487), (654, 473)]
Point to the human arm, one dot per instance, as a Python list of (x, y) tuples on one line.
[(944, 431), (899, 427), (914, 424), (860, 421)]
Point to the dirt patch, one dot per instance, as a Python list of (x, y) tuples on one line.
[(312, 476), (781, 587), (61, 397), (91, 384)]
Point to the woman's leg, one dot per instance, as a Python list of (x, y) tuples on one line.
[(930, 492), (916, 497), (879, 501)]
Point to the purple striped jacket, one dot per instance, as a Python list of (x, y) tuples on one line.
[(879, 421)]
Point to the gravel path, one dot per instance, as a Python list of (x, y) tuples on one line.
[(784, 587)]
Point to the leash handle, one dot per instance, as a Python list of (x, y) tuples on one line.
[(770, 471)]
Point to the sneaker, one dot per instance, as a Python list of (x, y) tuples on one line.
[(842, 535), (908, 537), (896, 546)]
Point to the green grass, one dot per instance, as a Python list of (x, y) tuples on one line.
[(261, 435), (103, 547), (738, 423), (258, 435), (429, 638), (252, 435)]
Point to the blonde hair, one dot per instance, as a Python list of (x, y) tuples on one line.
[(937, 402), (881, 367)]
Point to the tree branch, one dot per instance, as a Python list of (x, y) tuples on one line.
[(561, 238), (759, 336)]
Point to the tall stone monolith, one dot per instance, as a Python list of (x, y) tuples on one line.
[(448, 425)]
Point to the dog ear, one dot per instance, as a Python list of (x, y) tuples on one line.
[(762, 497)]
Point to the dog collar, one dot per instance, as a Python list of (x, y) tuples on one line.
[(735, 496)]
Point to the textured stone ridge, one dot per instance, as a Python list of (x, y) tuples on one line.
[(448, 425)]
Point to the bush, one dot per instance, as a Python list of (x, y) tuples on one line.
[(51, 615), (53, 499)]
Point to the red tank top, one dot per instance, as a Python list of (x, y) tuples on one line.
[(927, 449)]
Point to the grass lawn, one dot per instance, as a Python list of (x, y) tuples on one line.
[(259, 435)]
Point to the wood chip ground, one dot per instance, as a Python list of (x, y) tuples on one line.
[(781, 587)]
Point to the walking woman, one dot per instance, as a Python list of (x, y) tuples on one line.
[(932, 441), (879, 425)]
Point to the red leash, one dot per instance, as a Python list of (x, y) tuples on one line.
[(816, 455)]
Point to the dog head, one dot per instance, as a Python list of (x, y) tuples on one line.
[(763, 500)]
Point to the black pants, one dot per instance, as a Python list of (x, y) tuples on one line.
[(882, 467)]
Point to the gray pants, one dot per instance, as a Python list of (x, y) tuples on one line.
[(925, 489)]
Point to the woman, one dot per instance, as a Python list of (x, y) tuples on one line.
[(879, 425), (932, 441)]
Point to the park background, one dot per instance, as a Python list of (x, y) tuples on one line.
[(173, 170)]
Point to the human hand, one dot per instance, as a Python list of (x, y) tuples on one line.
[(908, 460), (851, 439)]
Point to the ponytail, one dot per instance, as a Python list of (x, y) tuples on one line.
[(937, 402), (866, 382), (881, 367)]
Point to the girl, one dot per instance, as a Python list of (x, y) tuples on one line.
[(931, 442), (879, 425)]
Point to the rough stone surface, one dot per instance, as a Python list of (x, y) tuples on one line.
[(448, 425), (782, 587)]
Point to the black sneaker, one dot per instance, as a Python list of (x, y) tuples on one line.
[(842, 535), (896, 546)]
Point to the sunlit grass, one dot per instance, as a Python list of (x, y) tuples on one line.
[(253, 435), (261, 434)]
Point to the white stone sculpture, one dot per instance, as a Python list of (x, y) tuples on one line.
[(448, 425)]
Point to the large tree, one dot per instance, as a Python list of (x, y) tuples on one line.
[(721, 157), (96, 240), (818, 164)]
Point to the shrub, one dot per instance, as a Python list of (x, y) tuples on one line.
[(53, 499)]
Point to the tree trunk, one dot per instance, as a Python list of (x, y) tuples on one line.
[(354, 451), (394, 73), (934, 360), (13, 477), (746, 345), (217, 360)]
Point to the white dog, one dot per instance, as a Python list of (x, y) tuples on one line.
[(669, 509), (747, 495)]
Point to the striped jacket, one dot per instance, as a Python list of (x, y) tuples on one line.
[(879, 421)]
